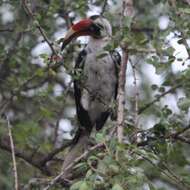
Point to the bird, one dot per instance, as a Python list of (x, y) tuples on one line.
[(96, 74)]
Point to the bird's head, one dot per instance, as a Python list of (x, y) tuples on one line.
[(96, 26)]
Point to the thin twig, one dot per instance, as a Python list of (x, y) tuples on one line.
[(7, 30), (168, 173), (183, 139), (85, 154), (141, 50), (146, 106), (176, 134), (104, 7), (13, 154), (173, 136), (187, 1), (56, 130), (38, 26), (136, 100), (136, 95), (177, 178)]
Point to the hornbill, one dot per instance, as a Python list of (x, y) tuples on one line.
[(96, 86)]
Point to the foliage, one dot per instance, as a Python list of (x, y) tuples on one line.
[(36, 93)]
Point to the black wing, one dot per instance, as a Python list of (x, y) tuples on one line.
[(116, 57), (82, 114)]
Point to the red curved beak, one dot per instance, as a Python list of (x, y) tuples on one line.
[(81, 28)]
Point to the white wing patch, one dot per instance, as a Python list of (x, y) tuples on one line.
[(85, 99)]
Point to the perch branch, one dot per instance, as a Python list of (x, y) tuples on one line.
[(127, 10), (84, 155)]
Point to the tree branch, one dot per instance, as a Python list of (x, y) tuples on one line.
[(121, 95), (176, 134), (85, 154), (127, 10), (54, 152), (38, 160), (13, 154), (26, 156)]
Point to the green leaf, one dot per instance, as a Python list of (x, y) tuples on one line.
[(89, 173), (151, 186), (100, 137), (161, 89), (40, 72), (171, 59), (117, 187), (76, 185), (184, 104), (45, 57), (114, 168), (85, 186), (154, 87), (46, 112), (184, 10)]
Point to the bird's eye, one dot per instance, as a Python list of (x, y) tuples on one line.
[(96, 29)]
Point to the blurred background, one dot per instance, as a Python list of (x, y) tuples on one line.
[(38, 100)]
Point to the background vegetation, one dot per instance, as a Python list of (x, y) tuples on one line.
[(37, 107)]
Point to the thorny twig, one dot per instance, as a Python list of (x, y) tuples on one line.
[(13, 154)]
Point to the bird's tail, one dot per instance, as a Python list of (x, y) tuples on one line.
[(80, 143)]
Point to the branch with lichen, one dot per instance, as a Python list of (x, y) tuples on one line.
[(127, 10)]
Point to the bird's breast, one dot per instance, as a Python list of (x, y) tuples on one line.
[(99, 75), (99, 84)]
